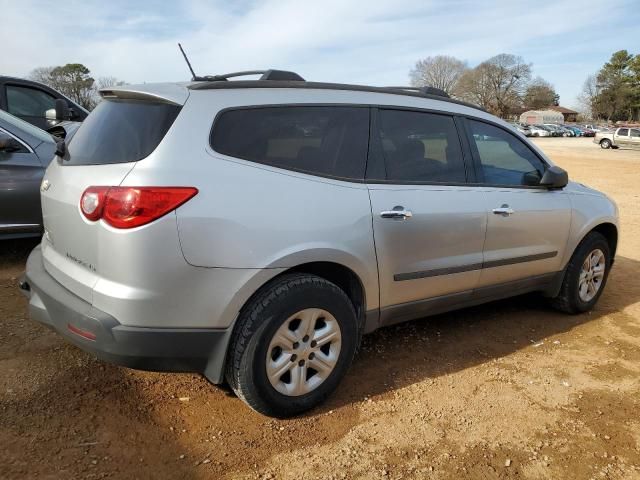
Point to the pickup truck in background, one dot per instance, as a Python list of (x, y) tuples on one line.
[(620, 137), (37, 103)]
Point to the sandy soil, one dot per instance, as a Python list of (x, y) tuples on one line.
[(507, 390)]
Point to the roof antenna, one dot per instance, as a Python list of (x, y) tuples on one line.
[(194, 77)]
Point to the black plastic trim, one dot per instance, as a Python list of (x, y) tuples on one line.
[(400, 277), (412, 310)]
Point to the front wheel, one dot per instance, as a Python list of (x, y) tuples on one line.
[(606, 143), (293, 343), (586, 275)]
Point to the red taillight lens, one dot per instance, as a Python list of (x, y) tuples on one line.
[(129, 207)]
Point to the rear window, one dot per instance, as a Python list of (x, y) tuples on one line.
[(326, 141), (119, 131)]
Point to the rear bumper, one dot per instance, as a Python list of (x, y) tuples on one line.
[(158, 349)]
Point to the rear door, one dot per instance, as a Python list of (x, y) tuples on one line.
[(429, 225), (20, 177), (116, 135), (634, 137), (527, 225)]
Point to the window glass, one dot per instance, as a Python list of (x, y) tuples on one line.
[(17, 125), (635, 133), (421, 147), (623, 132), (119, 131), (505, 159), (28, 102), (330, 141)]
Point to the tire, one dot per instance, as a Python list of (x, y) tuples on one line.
[(571, 299), (605, 143), (255, 347)]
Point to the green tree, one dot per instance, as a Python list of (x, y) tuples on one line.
[(618, 96), (73, 80), (540, 94)]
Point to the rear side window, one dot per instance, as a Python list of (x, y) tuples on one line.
[(421, 147), (623, 132), (326, 141), (119, 131)]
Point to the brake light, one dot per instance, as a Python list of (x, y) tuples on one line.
[(129, 207)]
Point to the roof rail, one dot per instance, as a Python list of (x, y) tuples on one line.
[(282, 75), (426, 90)]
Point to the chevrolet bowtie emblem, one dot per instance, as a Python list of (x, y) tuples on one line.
[(44, 186)]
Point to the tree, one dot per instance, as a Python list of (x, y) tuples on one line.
[(74, 81), (497, 84), (441, 71), (540, 94), (618, 95), (588, 97)]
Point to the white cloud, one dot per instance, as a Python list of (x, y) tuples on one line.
[(358, 41)]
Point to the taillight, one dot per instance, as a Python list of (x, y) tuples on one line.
[(92, 202), (129, 207)]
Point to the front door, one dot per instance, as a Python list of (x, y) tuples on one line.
[(527, 225), (429, 226), (634, 137), (621, 137)]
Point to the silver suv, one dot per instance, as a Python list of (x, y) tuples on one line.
[(254, 230)]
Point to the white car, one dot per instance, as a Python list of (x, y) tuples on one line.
[(539, 132)]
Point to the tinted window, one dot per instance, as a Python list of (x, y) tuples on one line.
[(120, 131), (28, 102), (319, 140), (505, 159), (623, 132), (420, 147), (17, 126), (635, 133)]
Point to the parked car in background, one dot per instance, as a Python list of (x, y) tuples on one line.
[(37, 103), (538, 131), (577, 132), (25, 152), (586, 132), (620, 137), (164, 245), (558, 130), (523, 129)]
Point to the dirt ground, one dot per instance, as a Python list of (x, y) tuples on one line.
[(507, 390)]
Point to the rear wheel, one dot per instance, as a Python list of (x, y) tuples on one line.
[(293, 343), (605, 143), (586, 275)]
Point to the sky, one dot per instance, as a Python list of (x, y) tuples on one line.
[(360, 41)]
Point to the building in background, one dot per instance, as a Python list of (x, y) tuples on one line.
[(535, 117), (568, 114)]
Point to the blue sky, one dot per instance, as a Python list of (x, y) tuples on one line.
[(359, 41)]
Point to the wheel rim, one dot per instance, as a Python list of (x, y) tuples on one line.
[(303, 352), (591, 275)]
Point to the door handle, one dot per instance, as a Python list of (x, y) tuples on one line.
[(505, 210), (398, 212)]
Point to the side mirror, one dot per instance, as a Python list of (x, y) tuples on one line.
[(62, 110), (554, 177), (8, 144)]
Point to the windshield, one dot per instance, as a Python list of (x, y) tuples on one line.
[(21, 125)]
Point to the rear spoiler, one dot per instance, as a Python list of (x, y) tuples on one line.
[(171, 93)]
